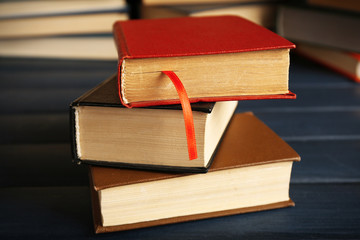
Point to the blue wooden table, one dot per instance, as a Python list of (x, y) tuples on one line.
[(44, 196)]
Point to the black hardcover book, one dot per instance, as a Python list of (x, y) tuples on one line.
[(104, 132)]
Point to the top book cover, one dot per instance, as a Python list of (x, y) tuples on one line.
[(216, 58)]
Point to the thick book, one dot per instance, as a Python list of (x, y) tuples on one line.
[(106, 133), (216, 58), (343, 62), (62, 47), (182, 2), (57, 25), (251, 172), (36, 8), (328, 28), (347, 5), (262, 13)]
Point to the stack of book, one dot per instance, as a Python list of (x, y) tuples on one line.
[(78, 29), (325, 31), (260, 12), (153, 161)]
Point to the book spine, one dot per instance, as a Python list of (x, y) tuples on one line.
[(75, 156), (123, 52)]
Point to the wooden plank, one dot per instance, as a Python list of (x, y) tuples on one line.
[(30, 164), (322, 211), (45, 213), (19, 101), (35, 128), (47, 79), (40, 165), (309, 99), (24, 73), (305, 126), (37, 65), (327, 161)]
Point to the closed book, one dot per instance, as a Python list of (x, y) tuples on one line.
[(58, 25), (36, 8), (262, 13), (343, 62), (62, 47), (182, 2), (251, 172), (106, 133), (319, 26), (347, 5), (216, 58)]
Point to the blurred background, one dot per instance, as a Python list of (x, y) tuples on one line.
[(52, 51)]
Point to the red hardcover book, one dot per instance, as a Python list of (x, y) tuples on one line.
[(343, 62), (215, 58)]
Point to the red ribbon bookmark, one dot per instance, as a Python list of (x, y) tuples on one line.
[(188, 116)]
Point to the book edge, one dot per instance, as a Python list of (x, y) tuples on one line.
[(206, 110), (73, 144), (151, 167), (101, 229), (77, 160), (289, 95)]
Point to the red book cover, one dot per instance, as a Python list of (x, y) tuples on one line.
[(193, 36)]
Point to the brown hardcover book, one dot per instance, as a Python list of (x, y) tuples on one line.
[(251, 172), (106, 133)]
